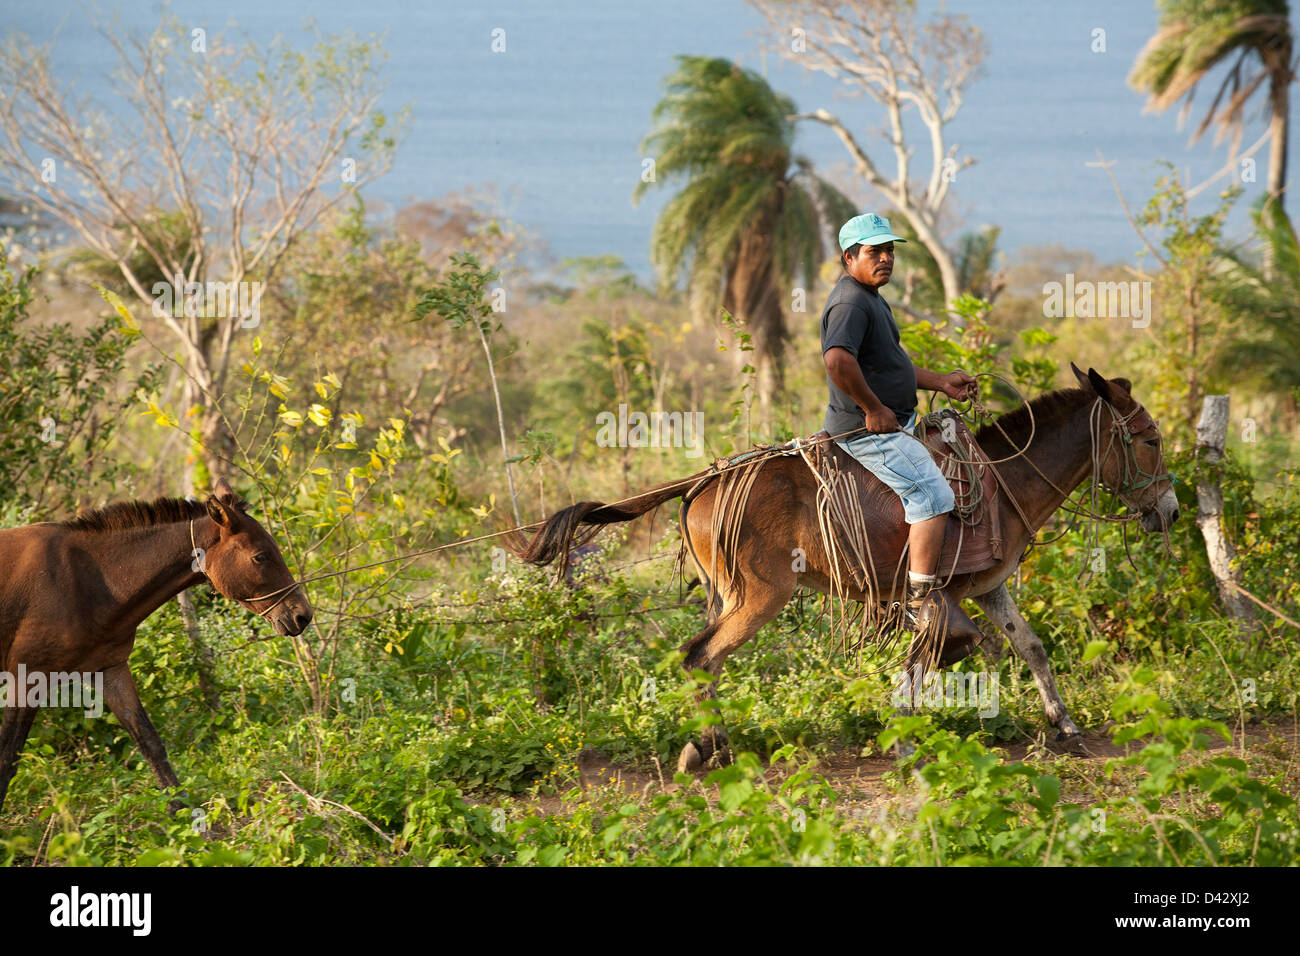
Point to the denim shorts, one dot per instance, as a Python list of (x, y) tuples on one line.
[(905, 465)]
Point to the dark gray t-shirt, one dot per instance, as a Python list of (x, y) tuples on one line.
[(858, 319)]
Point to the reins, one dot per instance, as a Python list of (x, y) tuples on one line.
[(1125, 426)]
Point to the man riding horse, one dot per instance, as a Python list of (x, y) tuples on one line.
[(744, 519), (873, 383)]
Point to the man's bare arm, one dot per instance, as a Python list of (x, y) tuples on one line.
[(845, 372), (955, 384)]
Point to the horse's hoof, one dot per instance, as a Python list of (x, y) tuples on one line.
[(1074, 744), (992, 646), (689, 760), (721, 757)]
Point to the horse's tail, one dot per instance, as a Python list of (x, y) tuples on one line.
[(576, 525)]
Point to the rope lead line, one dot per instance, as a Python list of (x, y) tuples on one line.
[(743, 458), (1119, 424)]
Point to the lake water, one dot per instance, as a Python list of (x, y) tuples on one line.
[(555, 120)]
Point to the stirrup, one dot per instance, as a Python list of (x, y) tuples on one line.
[(898, 615)]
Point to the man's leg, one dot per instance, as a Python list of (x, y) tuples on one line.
[(925, 541), (926, 509), (906, 466)]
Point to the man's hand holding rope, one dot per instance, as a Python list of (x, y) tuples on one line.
[(960, 386)]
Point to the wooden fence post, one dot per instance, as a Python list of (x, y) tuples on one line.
[(1211, 440)]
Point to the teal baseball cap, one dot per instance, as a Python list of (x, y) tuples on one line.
[(868, 229)]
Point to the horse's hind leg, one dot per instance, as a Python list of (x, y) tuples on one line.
[(124, 701), (14, 728), (714, 645)]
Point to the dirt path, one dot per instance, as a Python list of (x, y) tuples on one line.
[(857, 778)]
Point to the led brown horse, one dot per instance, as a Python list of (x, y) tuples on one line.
[(72, 594), (1095, 431)]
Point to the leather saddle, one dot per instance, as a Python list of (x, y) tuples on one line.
[(973, 540)]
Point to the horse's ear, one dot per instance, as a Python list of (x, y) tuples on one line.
[(222, 504), (1083, 379), (217, 511), (1100, 385)]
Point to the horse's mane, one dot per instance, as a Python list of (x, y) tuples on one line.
[(1048, 409), (123, 515)]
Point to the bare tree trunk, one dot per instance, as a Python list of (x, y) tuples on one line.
[(1277, 136), (1211, 438), (501, 424), (216, 448), (881, 50), (765, 383), (1277, 145), (1193, 313), (213, 174), (752, 296), (928, 233), (203, 656)]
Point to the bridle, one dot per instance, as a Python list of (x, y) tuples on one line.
[(247, 602), (1124, 427), (1134, 477)]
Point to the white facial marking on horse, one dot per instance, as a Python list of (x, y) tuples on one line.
[(1168, 502)]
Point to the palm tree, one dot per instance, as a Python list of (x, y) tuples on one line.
[(1194, 37), (751, 216), (1268, 354)]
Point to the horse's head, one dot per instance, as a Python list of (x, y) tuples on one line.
[(1131, 451), (245, 564)]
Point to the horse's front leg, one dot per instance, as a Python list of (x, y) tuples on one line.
[(1002, 611), (123, 700), (15, 725)]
